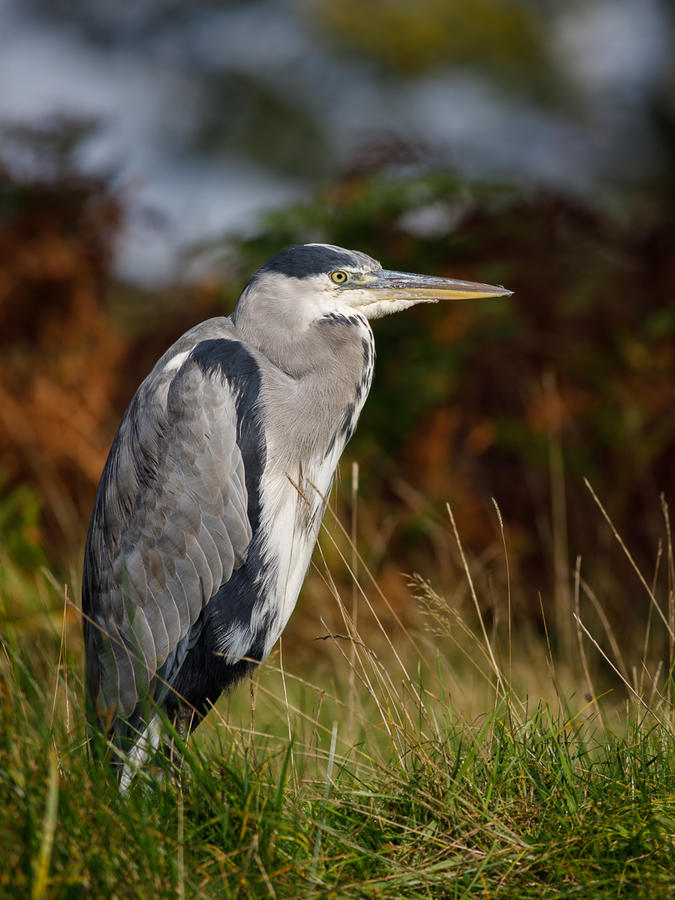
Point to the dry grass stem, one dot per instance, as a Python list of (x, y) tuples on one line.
[(670, 630)]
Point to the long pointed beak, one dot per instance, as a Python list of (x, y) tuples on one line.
[(388, 285)]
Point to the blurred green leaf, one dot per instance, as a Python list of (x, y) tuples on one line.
[(508, 41), (20, 514)]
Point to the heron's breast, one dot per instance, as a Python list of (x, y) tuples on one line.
[(292, 507)]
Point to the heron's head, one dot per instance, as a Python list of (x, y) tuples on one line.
[(307, 282), (304, 286)]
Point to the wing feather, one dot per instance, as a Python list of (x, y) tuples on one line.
[(170, 524)]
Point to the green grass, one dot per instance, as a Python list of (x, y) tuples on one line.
[(444, 762), (527, 804)]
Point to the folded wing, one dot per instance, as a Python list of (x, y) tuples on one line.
[(170, 523)]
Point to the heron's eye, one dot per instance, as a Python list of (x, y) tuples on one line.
[(339, 277)]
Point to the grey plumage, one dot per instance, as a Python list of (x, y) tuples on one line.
[(210, 502)]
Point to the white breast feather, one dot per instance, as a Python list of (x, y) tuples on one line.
[(292, 513)]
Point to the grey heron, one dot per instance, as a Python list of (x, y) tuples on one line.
[(211, 499)]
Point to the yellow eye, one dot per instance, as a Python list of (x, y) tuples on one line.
[(339, 277)]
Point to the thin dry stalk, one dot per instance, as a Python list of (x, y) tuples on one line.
[(551, 662), (315, 730), (379, 671), (61, 667), (627, 683), (650, 612), (445, 617), (508, 585), (355, 591), (366, 682), (288, 714), (582, 651), (493, 661), (396, 707), (355, 640), (671, 587), (562, 600), (629, 557), (319, 827), (251, 682), (377, 588), (655, 682), (240, 734), (611, 637), (181, 842)]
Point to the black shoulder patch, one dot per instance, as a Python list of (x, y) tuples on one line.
[(232, 361)]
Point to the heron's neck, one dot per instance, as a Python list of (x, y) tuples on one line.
[(317, 406)]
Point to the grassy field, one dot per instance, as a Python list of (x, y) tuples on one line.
[(457, 759)]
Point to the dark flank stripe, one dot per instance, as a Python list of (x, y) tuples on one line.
[(348, 423), (368, 352), (330, 447)]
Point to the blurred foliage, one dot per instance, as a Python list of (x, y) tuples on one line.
[(470, 402), (58, 351), (260, 117), (506, 40), (20, 514)]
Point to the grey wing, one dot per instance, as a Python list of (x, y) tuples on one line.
[(170, 524)]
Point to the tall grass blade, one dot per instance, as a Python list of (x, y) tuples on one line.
[(320, 823), (44, 856)]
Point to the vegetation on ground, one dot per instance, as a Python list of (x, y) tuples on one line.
[(444, 763)]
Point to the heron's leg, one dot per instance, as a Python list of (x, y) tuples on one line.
[(183, 721), (143, 749)]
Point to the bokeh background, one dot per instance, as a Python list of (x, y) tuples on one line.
[(152, 154)]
